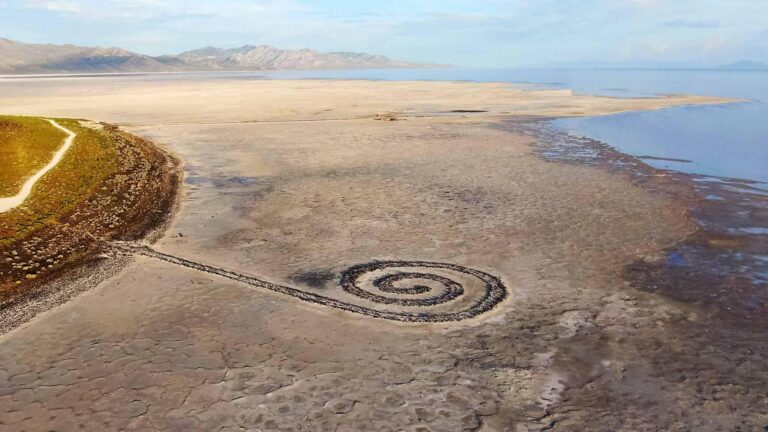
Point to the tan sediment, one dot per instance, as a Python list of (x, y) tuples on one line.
[(162, 347), (154, 101)]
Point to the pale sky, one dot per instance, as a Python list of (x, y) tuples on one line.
[(477, 33)]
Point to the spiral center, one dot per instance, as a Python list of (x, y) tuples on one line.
[(388, 283)]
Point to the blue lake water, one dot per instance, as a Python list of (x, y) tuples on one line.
[(725, 140)]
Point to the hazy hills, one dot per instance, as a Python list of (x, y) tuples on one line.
[(745, 65), (18, 57), (267, 57)]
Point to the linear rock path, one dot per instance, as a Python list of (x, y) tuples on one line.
[(440, 289)]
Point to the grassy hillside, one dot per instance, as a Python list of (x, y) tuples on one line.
[(110, 185), (26, 145)]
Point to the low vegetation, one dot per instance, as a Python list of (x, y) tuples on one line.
[(26, 145), (109, 186)]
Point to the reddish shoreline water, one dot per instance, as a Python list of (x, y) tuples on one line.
[(724, 265)]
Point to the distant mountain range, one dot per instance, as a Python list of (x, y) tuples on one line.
[(744, 65), (23, 58)]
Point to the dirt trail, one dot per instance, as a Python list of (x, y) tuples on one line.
[(10, 203)]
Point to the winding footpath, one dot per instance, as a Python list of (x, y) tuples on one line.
[(10, 203)]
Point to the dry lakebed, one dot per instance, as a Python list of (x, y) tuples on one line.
[(355, 255)]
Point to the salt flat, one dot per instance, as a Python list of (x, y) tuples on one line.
[(295, 181), (153, 101)]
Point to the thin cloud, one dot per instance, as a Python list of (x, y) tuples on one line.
[(645, 3), (58, 6), (692, 24)]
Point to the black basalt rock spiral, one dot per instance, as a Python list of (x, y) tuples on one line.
[(387, 283), (492, 292), (392, 283)]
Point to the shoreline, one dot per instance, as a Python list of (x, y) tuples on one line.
[(716, 279), (89, 270), (690, 270)]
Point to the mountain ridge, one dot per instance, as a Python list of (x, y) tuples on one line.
[(745, 65), (24, 58)]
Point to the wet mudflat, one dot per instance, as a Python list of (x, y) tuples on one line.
[(574, 346)]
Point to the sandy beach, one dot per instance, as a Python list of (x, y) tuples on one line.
[(293, 183)]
